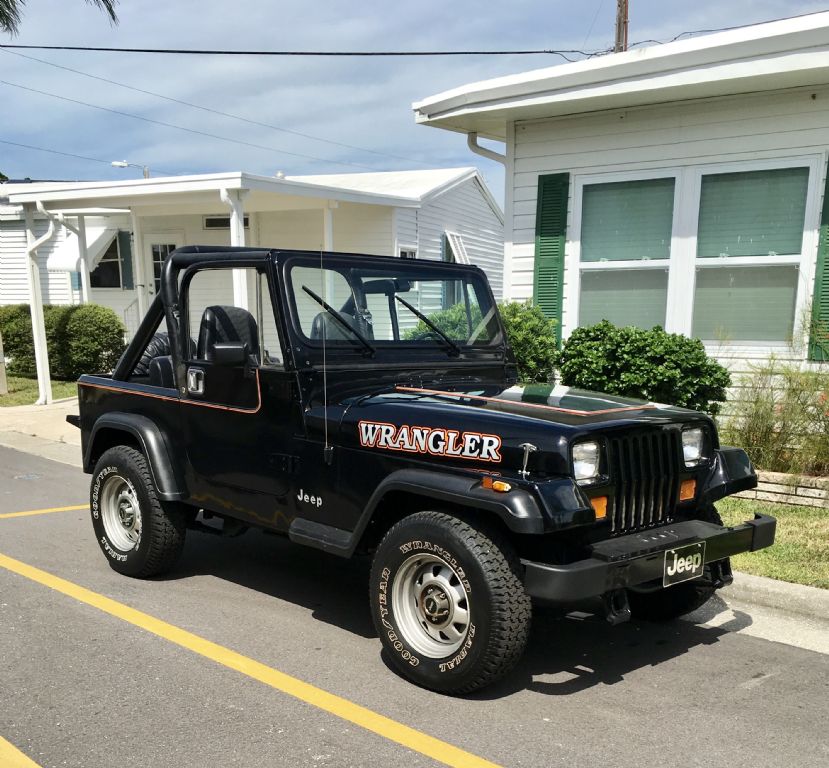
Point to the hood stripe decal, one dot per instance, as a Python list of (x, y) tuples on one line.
[(443, 393)]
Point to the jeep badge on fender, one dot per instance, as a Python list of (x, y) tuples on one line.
[(364, 404)]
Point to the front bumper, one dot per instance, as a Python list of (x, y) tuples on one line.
[(637, 558)]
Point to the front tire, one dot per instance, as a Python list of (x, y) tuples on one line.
[(448, 602), (139, 534), (670, 603)]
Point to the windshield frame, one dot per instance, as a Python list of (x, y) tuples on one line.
[(426, 348)]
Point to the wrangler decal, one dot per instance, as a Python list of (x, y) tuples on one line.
[(433, 440)]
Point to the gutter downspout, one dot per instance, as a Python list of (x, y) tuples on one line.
[(44, 382), (490, 154), (80, 233)]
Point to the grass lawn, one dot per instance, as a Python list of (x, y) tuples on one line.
[(24, 391), (800, 553)]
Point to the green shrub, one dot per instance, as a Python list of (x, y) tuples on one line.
[(80, 339), (16, 327), (94, 340), (453, 322), (532, 337), (647, 364), (781, 417)]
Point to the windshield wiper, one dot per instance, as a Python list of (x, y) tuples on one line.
[(340, 319), (456, 350)]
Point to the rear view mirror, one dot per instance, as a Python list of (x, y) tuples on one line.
[(229, 353)]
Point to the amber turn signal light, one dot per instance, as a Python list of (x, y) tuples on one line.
[(495, 485), (687, 490), (599, 504)]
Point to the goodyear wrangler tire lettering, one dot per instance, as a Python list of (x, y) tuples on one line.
[(448, 602)]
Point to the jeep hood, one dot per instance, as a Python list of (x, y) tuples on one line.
[(477, 426)]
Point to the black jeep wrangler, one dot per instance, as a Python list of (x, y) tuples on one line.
[(365, 404)]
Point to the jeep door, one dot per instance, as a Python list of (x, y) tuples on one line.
[(237, 411)]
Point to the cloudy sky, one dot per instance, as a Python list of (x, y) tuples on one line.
[(362, 102)]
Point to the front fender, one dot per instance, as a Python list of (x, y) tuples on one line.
[(518, 509), (731, 472), (167, 475)]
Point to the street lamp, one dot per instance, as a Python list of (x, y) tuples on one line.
[(125, 164)]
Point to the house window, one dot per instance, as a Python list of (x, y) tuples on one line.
[(408, 253), (625, 251), (108, 272), (222, 222), (749, 243), (711, 254)]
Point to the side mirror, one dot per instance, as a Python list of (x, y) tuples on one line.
[(230, 353)]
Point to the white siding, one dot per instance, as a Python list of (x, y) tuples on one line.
[(465, 210), (292, 229), (670, 136), (363, 229), (407, 228), (14, 288)]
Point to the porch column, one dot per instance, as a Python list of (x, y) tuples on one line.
[(84, 265), (234, 198), (138, 265), (44, 382)]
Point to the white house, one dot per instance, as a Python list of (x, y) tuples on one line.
[(681, 184), (105, 241)]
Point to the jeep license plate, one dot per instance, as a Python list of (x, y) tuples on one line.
[(683, 563)]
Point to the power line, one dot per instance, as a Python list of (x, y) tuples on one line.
[(70, 154), (214, 111), (184, 128), (221, 52)]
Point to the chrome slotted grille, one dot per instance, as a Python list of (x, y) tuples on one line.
[(645, 471)]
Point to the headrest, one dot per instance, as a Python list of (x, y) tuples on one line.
[(220, 323)]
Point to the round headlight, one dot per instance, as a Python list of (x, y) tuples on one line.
[(586, 460), (693, 443)]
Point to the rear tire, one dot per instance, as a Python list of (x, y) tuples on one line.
[(139, 534), (448, 602), (670, 603)]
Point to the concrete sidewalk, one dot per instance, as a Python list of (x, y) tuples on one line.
[(43, 431)]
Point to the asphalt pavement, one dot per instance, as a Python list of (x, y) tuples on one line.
[(257, 652)]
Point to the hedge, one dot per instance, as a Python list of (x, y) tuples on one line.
[(81, 338), (648, 364), (532, 336)]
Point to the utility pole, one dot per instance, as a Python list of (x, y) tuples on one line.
[(621, 43)]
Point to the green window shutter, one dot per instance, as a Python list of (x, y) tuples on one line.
[(819, 336), (550, 239), (125, 253)]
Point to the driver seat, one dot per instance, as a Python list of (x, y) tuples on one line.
[(223, 323)]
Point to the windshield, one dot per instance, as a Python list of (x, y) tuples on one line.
[(402, 304)]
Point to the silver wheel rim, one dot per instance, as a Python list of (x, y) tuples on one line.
[(431, 606), (120, 513)]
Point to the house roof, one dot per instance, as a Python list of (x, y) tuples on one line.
[(413, 185), (394, 188), (762, 57)]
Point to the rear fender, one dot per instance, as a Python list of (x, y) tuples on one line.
[(167, 475)]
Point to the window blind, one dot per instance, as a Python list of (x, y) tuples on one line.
[(627, 220), (756, 213), (745, 303)]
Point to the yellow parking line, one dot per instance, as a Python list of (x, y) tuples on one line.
[(336, 705), (7, 515), (11, 757)]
